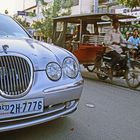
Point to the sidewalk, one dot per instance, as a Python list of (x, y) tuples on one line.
[(116, 81)]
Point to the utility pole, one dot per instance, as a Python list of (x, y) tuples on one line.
[(23, 5), (39, 3), (80, 3), (96, 3), (24, 10)]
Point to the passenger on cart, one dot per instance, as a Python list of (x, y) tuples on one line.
[(76, 34), (75, 39), (72, 43)]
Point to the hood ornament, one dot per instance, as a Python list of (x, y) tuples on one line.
[(5, 47)]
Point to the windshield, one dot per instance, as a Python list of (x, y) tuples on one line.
[(9, 28)]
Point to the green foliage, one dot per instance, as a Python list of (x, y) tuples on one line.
[(130, 3), (67, 3), (22, 22), (45, 26), (56, 8), (102, 1), (42, 1), (31, 14)]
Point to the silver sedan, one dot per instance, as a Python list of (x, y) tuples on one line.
[(39, 82)]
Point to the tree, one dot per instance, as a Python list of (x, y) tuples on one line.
[(22, 22), (45, 26), (130, 3), (102, 1)]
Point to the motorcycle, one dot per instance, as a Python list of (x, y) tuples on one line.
[(126, 68)]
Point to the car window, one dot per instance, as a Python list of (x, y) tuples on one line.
[(9, 28)]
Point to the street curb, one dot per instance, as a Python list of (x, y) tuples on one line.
[(116, 82)]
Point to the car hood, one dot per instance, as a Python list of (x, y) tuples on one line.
[(39, 53)]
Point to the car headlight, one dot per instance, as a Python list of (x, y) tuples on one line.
[(53, 71), (70, 67)]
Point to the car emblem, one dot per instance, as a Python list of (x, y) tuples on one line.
[(5, 47)]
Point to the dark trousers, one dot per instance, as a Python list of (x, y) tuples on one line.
[(115, 57)]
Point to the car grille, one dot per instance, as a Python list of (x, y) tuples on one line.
[(15, 75)]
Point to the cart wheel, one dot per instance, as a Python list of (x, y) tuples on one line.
[(133, 76), (90, 68), (101, 73)]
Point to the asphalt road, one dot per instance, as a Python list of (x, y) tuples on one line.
[(106, 112)]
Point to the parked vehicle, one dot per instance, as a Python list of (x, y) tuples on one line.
[(39, 82)]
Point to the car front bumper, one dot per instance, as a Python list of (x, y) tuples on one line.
[(58, 101)]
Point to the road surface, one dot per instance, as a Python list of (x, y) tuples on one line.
[(106, 112)]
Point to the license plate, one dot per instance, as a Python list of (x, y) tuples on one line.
[(21, 107)]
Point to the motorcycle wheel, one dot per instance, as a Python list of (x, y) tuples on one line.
[(133, 76), (101, 73)]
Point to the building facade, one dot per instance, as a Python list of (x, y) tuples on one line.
[(34, 8), (128, 11), (78, 7)]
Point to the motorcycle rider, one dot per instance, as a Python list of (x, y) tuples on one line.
[(113, 40)]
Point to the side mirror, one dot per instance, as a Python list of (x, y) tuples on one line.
[(30, 32)]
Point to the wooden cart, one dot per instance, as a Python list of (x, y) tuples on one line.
[(90, 36)]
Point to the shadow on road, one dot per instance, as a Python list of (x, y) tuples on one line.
[(52, 131), (116, 81)]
